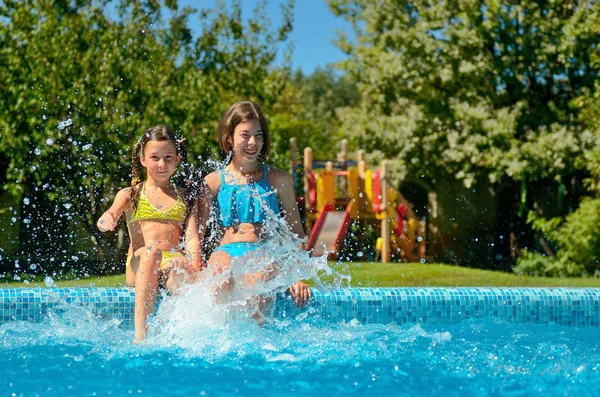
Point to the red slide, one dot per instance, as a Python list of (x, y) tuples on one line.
[(329, 231)]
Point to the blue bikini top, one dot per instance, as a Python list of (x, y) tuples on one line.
[(246, 203)]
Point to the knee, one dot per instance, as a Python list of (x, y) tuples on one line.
[(219, 263), (151, 257), (219, 268)]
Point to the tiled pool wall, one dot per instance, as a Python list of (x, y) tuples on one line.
[(579, 307)]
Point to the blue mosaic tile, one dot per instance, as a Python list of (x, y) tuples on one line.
[(565, 306)]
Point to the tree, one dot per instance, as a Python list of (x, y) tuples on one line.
[(79, 87), (480, 92), (576, 237)]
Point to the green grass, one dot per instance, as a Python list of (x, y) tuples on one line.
[(439, 275), (384, 275), (38, 281)]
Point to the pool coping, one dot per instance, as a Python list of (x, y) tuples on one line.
[(578, 307)]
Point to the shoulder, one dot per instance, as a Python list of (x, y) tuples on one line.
[(123, 198), (212, 181), (124, 194), (279, 178), (213, 178), (277, 173)]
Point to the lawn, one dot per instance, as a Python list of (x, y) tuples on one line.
[(381, 275)]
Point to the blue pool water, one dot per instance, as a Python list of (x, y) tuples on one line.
[(341, 344)]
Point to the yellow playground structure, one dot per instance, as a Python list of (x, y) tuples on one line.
[(338, 193)]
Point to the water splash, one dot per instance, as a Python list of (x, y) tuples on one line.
[(232, 300)]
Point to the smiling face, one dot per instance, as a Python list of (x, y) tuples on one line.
[(242, 129), (160, 160), (247, 141)]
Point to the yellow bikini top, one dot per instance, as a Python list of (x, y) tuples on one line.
[(147, 212)]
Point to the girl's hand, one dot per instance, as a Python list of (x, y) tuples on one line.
[(181, 271), (300, 292), (106, 223), (181, 264)]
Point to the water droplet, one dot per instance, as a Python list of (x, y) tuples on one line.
[(49, 281), (13, 220), (49, 141), (44, 117), (86, 147), (64, 124), (46, 186), (67, 205), (26, 201), (37, 151), (359, 254), (33, 266), (26, 221)]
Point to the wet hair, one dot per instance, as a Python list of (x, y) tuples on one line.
[(184, 180), (238, 113)]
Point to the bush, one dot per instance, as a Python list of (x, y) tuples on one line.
[(577, 240)]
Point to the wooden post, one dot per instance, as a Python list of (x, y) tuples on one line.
[(362, 196), (328, 190), (362, 167), (360, 157), (421, 242), (385, 222), (293, 151), (308, 161), (343, 154)]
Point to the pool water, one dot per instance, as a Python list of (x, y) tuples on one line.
[(77, 353)]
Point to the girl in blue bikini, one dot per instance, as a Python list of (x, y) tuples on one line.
[(159, 215), (246, 192)]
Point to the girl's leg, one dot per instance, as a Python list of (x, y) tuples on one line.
[(219, 263), (131, 267), (146, 287)]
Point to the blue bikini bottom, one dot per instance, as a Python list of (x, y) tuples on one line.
[(238, 249)]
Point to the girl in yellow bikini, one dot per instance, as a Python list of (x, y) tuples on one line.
[(158, 217)]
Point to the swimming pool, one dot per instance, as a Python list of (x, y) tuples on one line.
[(368, 341)]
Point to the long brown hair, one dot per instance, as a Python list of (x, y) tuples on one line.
[(239, 113), (161, 133)]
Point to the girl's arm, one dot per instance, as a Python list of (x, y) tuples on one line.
[(287, 200), (108, 220)]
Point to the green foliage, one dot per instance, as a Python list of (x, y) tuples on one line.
[(589, 102), (577, 240), (78, 88), (468, 89), (319, 95)]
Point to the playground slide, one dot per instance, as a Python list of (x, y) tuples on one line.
[(329, 231)]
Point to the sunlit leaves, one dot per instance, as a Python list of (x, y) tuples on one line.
[(80, 81)]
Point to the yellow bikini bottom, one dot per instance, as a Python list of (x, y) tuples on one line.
[(166, 256)]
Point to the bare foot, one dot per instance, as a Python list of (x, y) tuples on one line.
[(138, 339)]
